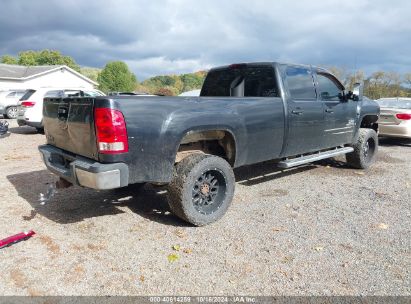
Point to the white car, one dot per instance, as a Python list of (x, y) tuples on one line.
[(395, 117), (30, 110), (9, 102)]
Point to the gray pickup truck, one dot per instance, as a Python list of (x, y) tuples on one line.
[(246, 113)]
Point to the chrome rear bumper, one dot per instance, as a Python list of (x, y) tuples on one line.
[(83, 171)]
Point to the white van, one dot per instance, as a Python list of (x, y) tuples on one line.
[(30, 109)]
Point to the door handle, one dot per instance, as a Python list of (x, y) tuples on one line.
[(297, 112), (329, 111)]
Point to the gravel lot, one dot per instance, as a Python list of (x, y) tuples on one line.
[(321, 229)]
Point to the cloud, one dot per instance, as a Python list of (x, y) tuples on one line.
[(176, 36)]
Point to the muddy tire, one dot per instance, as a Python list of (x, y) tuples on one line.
[(201, 189), (365, 149)]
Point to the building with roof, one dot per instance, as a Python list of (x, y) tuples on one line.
[(17, 77)]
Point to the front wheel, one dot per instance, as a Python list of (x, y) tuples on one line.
[(365, 149), (202, 189), (11, 112)]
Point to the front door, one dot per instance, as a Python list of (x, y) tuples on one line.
[(339, 113), (305, 112)]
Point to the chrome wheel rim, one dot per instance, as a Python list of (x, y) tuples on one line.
[(12, 112)]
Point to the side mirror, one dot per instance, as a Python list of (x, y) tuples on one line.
[(358, 91)]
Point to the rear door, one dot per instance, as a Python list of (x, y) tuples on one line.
[(340, 114), (251, 93), (305, 112)]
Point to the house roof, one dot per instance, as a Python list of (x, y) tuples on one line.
[(20, 72)]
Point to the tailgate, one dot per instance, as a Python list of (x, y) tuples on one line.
[(69, 125)]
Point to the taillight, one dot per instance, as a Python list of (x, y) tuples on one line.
[(28, 104), (403, 116), (111, 131)]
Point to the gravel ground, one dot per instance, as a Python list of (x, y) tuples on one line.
[(321, 229)]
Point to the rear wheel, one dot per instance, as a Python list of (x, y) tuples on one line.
[(202, 189), (365, 149), (11, 112)]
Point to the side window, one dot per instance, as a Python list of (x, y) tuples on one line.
[(20, 94), (328, 89), (11, 95), (300, 83)]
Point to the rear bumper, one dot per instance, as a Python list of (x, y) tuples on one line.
[(401, 130), (83, 171), (26, 117)]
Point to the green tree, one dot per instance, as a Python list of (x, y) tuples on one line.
[(166, 91), (173, 83), (46, 57), (91, 73), (27, 58), (7, 59), (193, 81), (116, 77), (385, 84)]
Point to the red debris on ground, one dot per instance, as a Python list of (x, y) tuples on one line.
[(16, 238)]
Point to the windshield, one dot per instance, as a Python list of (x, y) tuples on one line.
[(395, 103)]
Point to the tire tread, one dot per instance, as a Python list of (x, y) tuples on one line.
[(355, 159), (176, 188)]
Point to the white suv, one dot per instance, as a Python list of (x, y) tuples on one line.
[(30, 110)]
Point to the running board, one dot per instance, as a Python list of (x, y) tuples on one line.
[(289, 163)]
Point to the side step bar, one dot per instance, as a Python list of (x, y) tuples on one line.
[(289, 163)]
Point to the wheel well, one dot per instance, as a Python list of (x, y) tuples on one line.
[(370, 122), (216, 142)]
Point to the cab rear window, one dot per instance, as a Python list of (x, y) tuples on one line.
[(241, 81)]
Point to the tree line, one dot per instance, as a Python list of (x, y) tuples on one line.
[(377, 85), (116, 76)]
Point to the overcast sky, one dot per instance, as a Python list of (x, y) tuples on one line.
[(176, 36)]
